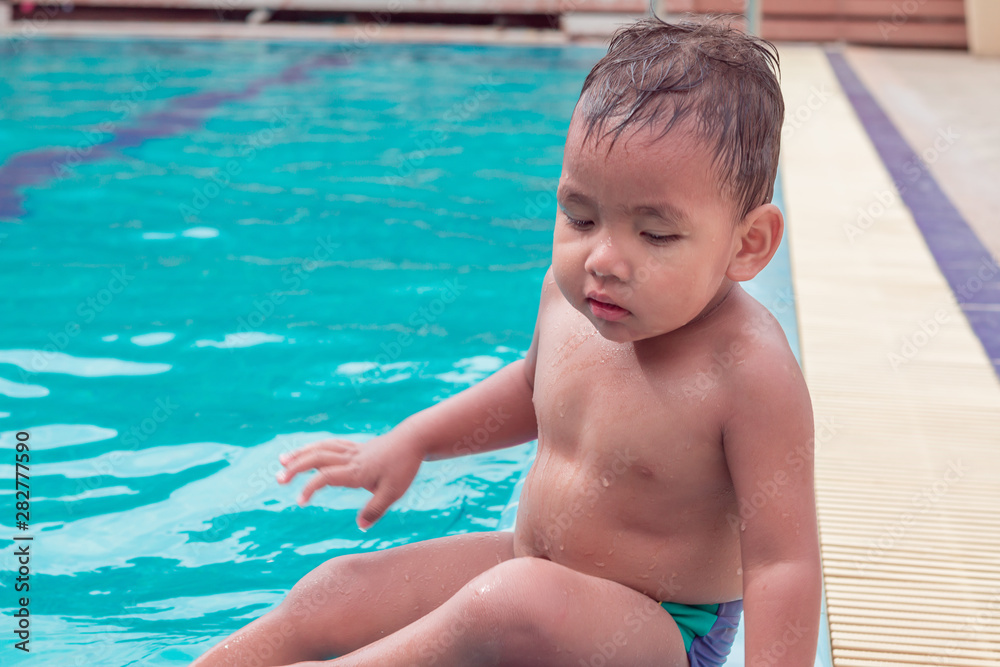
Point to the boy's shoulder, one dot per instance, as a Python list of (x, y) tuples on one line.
[(755, 328), (763, 369)]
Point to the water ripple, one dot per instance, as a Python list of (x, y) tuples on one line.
[(43, 361)]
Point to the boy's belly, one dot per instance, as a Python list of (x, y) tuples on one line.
[(606, 528)]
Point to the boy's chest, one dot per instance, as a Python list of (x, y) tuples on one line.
[(592, 397)]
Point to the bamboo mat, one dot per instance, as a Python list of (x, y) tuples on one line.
[(907, 404)]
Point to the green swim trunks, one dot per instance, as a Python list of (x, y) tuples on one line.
[(709, 630)]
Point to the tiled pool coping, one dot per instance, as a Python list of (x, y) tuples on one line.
[(971, 271), (910, 401)]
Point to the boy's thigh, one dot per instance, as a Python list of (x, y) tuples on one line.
[(362, 597), (564, 617)]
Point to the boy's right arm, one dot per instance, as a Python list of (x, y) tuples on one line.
[(492, 414), (495, 413)]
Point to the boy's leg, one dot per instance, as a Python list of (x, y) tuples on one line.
[(530, 611), (355, 599)]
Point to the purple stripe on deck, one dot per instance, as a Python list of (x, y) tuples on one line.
[(968, 266), (184, 113)]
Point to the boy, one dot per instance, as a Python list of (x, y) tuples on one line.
[(662, 396)]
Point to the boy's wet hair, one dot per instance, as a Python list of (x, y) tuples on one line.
[(661, 73)]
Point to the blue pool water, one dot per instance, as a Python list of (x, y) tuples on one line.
[(214, 253)]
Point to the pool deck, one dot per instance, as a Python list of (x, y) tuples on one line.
[(895, 274)]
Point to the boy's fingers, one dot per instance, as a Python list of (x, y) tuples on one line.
[(310, 460), (332, 444), (333, 476), (385, 495)]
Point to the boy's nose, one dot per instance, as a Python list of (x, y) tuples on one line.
[(605, 260)]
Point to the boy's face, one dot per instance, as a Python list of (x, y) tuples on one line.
[(632, 272)]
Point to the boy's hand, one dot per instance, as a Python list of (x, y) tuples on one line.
[(383, 465)]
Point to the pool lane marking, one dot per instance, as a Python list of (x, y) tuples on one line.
[(186, 112), (968, 266)]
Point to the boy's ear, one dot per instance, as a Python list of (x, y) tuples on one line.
[(759, 235)]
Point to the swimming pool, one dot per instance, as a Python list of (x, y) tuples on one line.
[(214, 253)]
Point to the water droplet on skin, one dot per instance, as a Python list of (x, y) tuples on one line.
[(743, 525), (604, 481), (599, 564), (406, 577), (561, 547), (739, 571), (611, 551)]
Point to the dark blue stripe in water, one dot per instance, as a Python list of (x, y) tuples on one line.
[(184, 113), (969, 268)]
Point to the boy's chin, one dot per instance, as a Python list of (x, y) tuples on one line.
[(616, 332)]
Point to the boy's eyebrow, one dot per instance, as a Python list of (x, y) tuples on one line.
[(664, 210)]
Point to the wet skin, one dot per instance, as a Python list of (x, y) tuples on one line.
[(644, 352)]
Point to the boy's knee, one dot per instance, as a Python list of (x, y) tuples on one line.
[(319, 589), (270, 640), (522, 598)]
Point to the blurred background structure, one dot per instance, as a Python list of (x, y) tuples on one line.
[(936, 23)]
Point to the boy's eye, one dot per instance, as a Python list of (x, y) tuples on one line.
[(579, 224), (662, 239)]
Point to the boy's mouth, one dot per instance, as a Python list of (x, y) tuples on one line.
[(603, 308)]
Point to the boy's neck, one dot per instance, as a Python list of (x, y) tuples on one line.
[(714, 305)]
